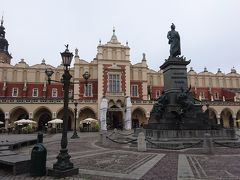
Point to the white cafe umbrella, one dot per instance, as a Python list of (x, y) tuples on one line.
[(89, 121), (56, 121), (24, 121)]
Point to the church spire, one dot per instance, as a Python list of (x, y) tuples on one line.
[(4, 54), (2, 21), (114, 37), (113, 30)]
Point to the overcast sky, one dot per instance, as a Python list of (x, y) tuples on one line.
[(209, 29)]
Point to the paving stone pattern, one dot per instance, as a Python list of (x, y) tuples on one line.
[(214, 167), (121, 162)]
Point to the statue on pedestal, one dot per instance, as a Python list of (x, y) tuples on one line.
[(174, 41)]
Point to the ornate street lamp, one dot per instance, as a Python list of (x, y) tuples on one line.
[(49, 72), (64, 167), (75, 135)]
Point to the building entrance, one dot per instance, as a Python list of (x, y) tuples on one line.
[(43, 122), (114, 118)]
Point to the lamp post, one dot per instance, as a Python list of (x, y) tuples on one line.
[(75, 135), (64, 167)]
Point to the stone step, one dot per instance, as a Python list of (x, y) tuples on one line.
[(7, 153), (3, 148)]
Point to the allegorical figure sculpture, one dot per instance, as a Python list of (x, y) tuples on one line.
[(174, 41), (103, 113)]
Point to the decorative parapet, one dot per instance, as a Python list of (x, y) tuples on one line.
[(21, 100), (220, 103), (211, 103), (150, 102)]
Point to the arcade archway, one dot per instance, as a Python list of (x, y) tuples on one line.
[(226, 118), (238, 119), (42, 116), (70, 118), (213, 116), (2, 119), (86, 113), (17, 114), (138, 118)]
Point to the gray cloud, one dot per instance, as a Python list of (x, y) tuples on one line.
[(209, 29)]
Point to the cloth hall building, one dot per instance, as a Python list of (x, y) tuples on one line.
[(25, 93)]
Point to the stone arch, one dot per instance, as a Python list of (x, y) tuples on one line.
[(90, 109), (226, 118), (238, 119), (86, 112), (18, 113), (111, 103), (213, 115), (138, 117), (42, 115), (119, 103), (60, 113)]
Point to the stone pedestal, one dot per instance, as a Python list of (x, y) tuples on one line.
[(175, 75), (177, 109), (208, 144), (115, 134), (141, 142), (62, 174), (103, 135)]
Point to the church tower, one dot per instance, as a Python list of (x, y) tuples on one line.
[(5, 57)]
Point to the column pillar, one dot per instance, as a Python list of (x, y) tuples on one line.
[(7, 117), (234, 122), (218, 119), (6, 124)]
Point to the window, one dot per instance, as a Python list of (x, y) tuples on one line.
[(54, 92), (134, 90), (14, 92), (35, 92), (114, 83), (88, 90), (158, 94), (216, 95)]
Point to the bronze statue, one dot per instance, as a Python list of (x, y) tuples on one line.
[(174, 41)]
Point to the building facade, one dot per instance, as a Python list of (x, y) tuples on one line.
[(25, 93)]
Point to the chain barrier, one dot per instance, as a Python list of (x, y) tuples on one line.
[(179, 148), (126, 142), (226, 145), (149, 138), (125, 134), (111, 134), (170, 148)]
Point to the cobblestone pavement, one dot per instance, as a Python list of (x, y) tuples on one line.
[(120, 162)]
